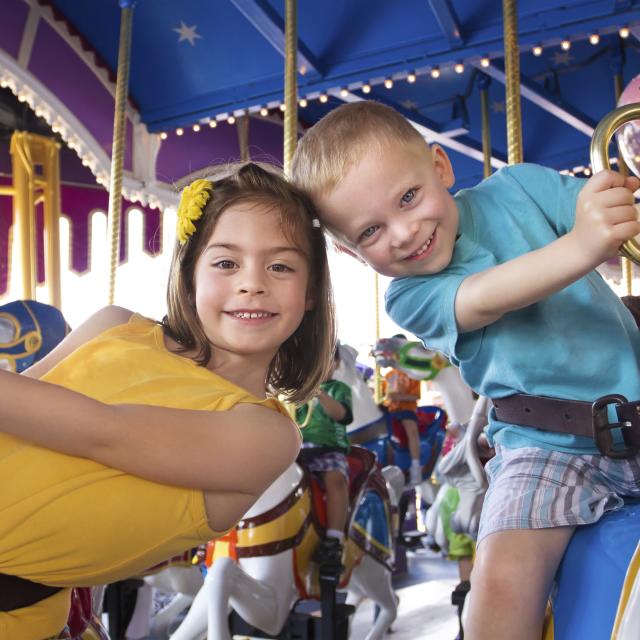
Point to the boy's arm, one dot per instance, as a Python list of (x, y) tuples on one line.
[(605, 219), (333, 408)]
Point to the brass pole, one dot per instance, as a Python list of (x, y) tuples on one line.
[(24, 212), (118, 146), (243, 137), (52, 223), (599, 152), (6, 190), (290, 83), (483, 82), (512, 88), (377, 391), (626, 266)]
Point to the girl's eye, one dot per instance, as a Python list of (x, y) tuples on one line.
[(224, 264), (409, 196), (368, 232), (280, 268)]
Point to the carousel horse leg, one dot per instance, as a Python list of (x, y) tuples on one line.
[(373, 581), (138, 626)]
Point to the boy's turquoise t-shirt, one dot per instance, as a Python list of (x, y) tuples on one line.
[(580, 343)]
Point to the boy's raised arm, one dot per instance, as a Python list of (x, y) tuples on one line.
[(605, 219)]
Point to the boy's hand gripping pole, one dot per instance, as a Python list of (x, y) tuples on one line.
[(599, 152)]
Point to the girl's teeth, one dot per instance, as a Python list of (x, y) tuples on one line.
[(252, 315)]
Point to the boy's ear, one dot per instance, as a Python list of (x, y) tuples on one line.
[(341, 248), (442, 166)]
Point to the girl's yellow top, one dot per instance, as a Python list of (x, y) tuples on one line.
[(67, 521)]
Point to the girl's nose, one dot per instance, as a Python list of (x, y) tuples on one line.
[(252, 283)]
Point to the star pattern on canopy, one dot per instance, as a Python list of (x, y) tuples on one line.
[(562, 57), (188, 33)]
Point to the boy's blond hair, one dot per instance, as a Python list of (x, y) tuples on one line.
[(339, 140)]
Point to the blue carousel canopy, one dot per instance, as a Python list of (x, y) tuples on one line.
[(196, 60)]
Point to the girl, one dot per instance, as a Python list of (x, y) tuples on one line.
[(160, 436)]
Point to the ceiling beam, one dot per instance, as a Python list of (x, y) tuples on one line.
[(448, 20), (432, 132), (544, 99), (271, 25)]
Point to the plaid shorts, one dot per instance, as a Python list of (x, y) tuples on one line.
[(325, 461), (533, 488)]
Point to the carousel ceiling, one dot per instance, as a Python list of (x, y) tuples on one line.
[(205, 62)]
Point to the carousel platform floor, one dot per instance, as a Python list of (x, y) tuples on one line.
[(425, 609)]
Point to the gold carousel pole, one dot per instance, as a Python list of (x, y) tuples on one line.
[(24, 211), (52, 222), (483, 83), (626, 266), (290, 83), (118, 146), (512, 72), (377, 391)]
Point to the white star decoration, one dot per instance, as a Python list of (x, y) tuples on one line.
[(187, 33), (562, 57)]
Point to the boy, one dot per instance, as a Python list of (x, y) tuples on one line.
[(401, 395), (323, 423), (500, 279)]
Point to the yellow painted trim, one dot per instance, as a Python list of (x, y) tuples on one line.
[(285, 526), (368, 537), (629, 580), (547, 629)]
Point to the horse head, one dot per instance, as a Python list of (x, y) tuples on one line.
[(28, 331)]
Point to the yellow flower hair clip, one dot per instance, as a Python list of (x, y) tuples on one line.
[(192, 203)]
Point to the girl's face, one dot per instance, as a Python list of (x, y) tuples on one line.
[(251, 283)]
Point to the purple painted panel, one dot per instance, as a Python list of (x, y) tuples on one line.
[(181, 155), (74, 84), (77, 205), (5, 224), (13, 16)]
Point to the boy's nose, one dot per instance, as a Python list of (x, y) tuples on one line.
[(402, 232)]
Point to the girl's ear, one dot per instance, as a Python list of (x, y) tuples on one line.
[(310, 303)]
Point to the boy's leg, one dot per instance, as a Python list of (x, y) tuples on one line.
[(511, 581), (337, 499), (413, 440)]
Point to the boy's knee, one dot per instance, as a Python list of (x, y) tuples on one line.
[(335, 480)]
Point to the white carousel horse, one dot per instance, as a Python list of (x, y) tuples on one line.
[(274, 543)]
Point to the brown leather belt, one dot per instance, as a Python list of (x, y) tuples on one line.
[(16, 592), (577, 418)]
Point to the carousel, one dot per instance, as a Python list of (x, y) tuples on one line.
[(106, 106)]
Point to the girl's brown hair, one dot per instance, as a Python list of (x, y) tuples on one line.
[(303, 360)]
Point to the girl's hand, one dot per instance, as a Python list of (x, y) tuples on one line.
[(606, 216)]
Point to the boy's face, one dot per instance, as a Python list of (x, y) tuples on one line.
[(394, 211)]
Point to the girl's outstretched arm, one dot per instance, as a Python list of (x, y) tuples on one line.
[(206, 450)]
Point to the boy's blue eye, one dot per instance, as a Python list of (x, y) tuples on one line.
[(409, 196), (368, 232)]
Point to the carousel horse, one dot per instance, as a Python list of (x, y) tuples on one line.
[(28, 331), (383, 433), (263, 567)]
